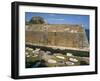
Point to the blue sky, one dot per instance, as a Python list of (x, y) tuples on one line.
[(53, 18)]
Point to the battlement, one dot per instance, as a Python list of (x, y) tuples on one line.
[(55, 28)]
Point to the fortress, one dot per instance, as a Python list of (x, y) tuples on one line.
[(64, 35)]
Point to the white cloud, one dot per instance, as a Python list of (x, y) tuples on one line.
[(52, 14), (55, 19)]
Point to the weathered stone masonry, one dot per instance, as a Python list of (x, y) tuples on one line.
[(65, 35)]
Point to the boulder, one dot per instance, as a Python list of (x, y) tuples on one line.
[(69, 63), (73, 60), (69, 54)]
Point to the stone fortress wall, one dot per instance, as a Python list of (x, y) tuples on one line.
[(65, 35)]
